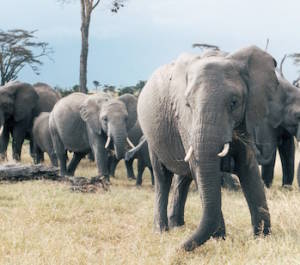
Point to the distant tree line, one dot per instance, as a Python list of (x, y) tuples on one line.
[(134, 89)]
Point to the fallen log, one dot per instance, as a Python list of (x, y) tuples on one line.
[(14, 172), (20, 172)]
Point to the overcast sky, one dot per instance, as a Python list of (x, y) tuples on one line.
[(128, 46)]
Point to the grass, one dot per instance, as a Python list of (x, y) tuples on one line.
[(43, 222)]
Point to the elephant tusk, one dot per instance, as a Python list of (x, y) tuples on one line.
[(224, 151), (130, 143), (107, 142), (189, 154), (1, 130)]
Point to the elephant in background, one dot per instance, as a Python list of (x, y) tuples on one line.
[(197, 112), (141, 153), (42, 141), (20, 103), (270, 136), (81, 123), (134, 134)]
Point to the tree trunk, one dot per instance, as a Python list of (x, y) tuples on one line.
[(86, 10)]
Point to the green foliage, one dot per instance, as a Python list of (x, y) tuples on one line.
[(19, 48)]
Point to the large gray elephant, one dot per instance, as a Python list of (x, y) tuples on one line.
[(270, 136), (19, 104), (198, 115), (98, 122)]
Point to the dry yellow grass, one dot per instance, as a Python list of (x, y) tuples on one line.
[(43, 222)]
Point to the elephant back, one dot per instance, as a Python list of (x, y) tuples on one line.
[(47, 98)]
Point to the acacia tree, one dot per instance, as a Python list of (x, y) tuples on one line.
[(18, 48), (87, 7)]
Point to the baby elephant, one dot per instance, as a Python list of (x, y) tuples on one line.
[(42, 139)]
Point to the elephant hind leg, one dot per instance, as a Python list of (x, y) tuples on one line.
[(141, 168), (181, 188), (163, 180), (129, 169), (267, 171), (59, 150), (287, 156), (77, 156)]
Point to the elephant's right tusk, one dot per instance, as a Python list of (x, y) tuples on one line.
[(1, 130), (130, 143), (107, 142), (189, 154), (224, 151)]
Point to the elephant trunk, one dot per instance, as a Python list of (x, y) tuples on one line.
[(205, 167), (119, 135)]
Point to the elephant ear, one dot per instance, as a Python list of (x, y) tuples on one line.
[(130, 102), (257, 69), (90, 111), (25, 99)]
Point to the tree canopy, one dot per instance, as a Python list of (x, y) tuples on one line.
[(18, 48)]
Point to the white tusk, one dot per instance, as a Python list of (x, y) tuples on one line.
[(1, 130), (224, 151), (130, 143), (107, 142), (188, 155)]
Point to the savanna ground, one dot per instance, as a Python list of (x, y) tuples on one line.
[(44, 222)]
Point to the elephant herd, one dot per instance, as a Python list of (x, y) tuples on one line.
[(98, 123), (196, 118)]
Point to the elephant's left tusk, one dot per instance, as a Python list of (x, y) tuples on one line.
[(1, 130), (130, 143), (107, 142), (224, 151), (189, 154)]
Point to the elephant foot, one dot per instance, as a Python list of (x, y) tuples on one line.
[(16, 157), (287, 187), (3, 156), (189, 245), (131, 177), (263, 224), (161, 227), (220, 233), (175, 222)]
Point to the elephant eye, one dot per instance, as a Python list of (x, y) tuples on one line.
[(104, 119), (234, 103)]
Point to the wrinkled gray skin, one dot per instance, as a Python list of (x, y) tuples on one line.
[(204, 103), (134, 134), (80, 123), (141, 152), (20, 103), (280, 135), (42, 141)]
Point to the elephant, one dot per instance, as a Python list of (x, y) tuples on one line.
[(141, 152), (134, 134), (198, 114), (42, 141), (98, 122), (20, 103), (269, 137)]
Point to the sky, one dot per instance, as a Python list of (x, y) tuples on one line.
[(128, 46)]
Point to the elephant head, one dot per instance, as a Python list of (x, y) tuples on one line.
[(17, 100), (112, 118)]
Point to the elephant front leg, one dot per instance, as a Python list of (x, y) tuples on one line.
[(163, 180), (287, 156), (253, 188), (4, 140), (181, 188), (129, 169), (18, 139)]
